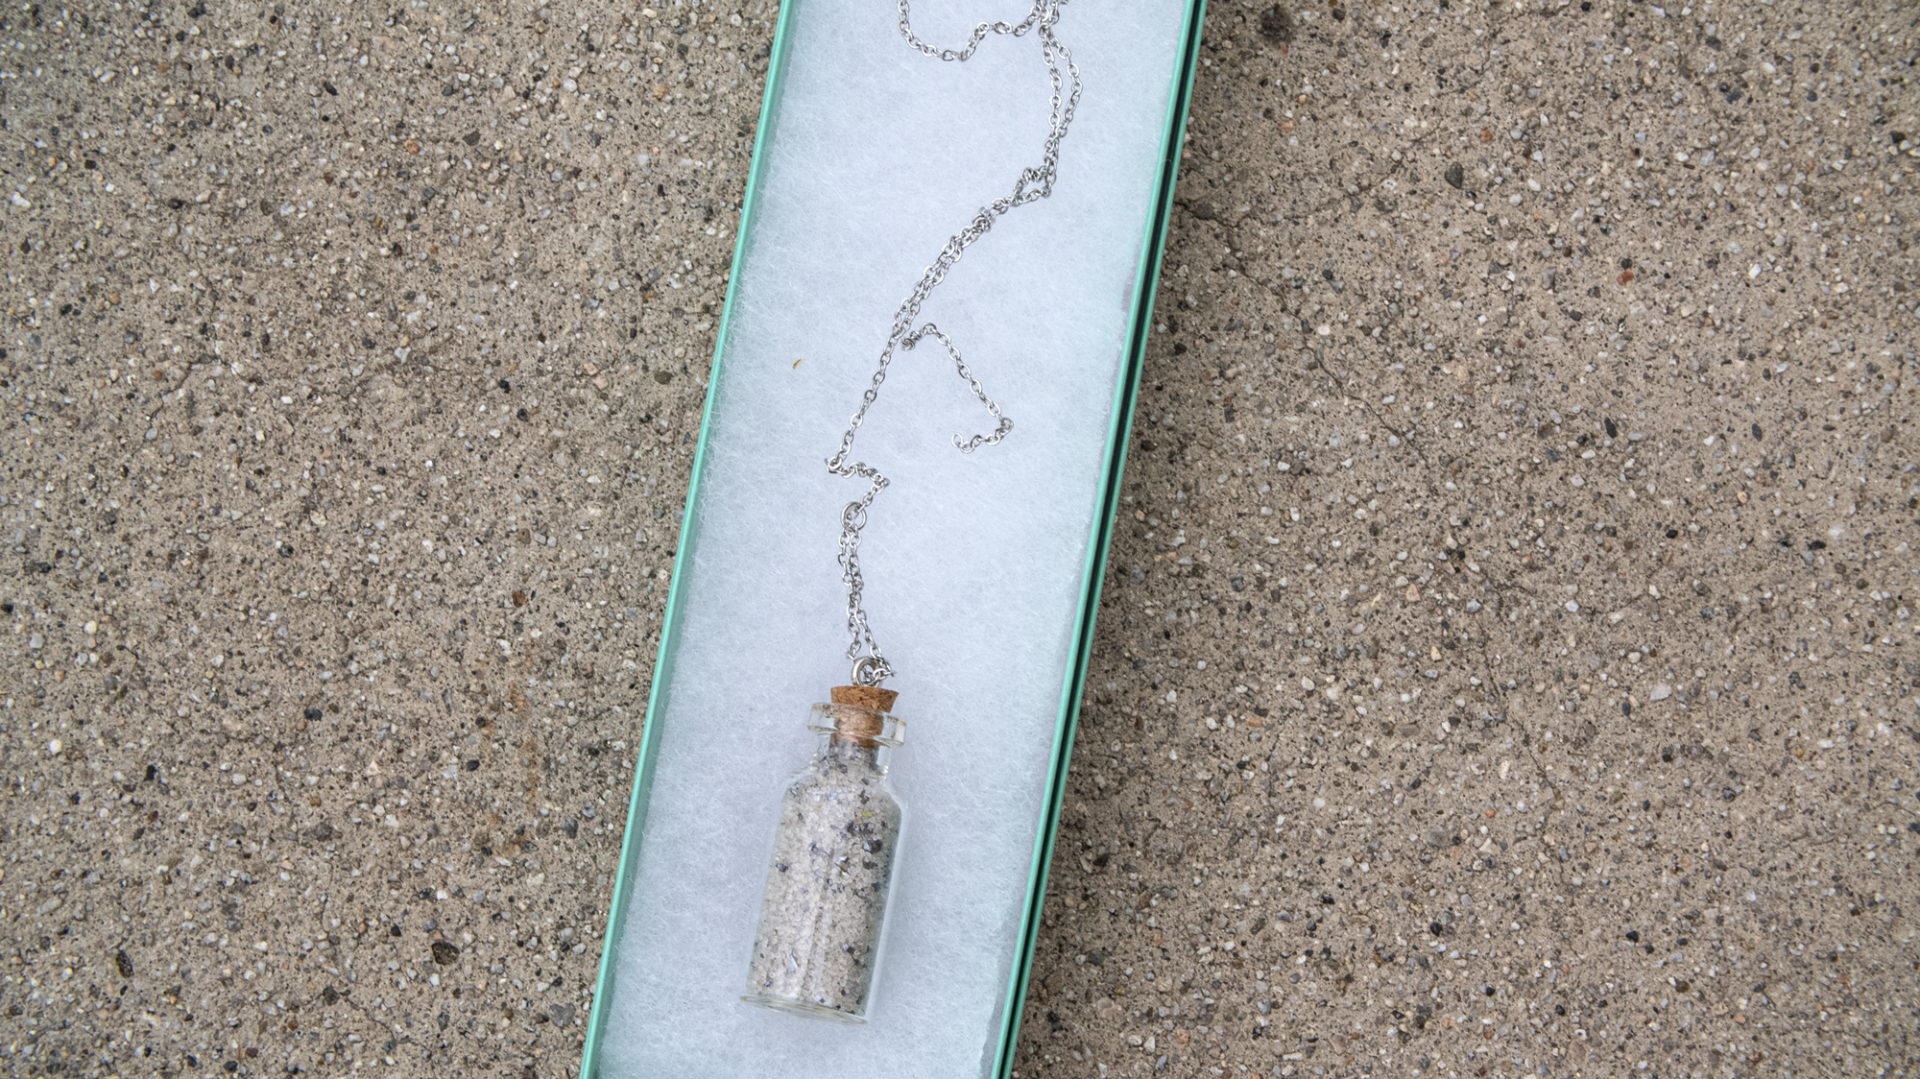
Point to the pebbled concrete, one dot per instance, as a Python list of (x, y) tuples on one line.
[(1507, 664)]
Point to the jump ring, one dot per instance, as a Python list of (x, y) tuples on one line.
[(869, 671)]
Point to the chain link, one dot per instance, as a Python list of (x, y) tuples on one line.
[(1035, 182)]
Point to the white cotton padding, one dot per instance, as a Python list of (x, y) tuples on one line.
[(975, 563)]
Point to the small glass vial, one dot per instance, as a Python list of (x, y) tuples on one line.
[(827, 889)]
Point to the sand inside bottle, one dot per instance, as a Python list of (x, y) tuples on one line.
[(826, 893)]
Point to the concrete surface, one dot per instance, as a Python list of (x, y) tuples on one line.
[(1551, 712)]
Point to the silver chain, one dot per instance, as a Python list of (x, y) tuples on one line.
[(1034, 183)]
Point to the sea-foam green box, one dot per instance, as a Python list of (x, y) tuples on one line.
[(594, 1061)]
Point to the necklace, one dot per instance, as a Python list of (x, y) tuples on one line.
[(826, 893)]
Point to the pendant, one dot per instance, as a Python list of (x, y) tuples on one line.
[(828, 885)]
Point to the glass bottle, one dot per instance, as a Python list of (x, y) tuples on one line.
[(828, 884)]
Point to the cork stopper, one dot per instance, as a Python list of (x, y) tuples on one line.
[(880, 700), (861, 718)]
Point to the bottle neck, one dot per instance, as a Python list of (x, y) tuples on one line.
[(851, 752), (856, 725)]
